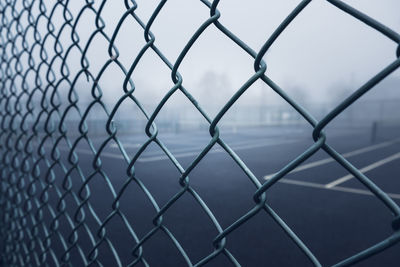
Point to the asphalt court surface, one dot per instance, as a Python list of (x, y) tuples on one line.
[(334, 220), (380, 159)]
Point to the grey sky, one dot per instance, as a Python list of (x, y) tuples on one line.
[(323, 47)]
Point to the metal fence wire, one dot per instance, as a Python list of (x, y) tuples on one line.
[(47, 215)]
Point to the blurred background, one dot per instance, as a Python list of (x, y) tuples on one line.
[(323, 57)]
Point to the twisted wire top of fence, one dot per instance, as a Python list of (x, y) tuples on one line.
[(47, 214)]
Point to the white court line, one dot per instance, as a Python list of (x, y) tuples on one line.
[(103, 154), (217, 150), (346, 155), (363, 170), (192, 149), (114, 145), (336, 188), (186, 149), (159, 157), (90, 152)]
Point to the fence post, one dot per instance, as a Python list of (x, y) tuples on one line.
[(374, 131)]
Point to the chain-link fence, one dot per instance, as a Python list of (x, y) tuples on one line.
[(47, 182)]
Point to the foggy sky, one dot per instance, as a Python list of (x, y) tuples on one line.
[(323, 52)]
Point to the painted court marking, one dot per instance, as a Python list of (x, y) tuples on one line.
[(364, 170), (183, 152), (336, 188), (90, 152), (135, 145), (346, 155), (196, 148), (216, 150)]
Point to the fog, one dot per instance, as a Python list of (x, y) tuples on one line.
[(321, 58), (323, 55)]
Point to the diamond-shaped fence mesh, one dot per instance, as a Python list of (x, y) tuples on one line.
[(49, 215)]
